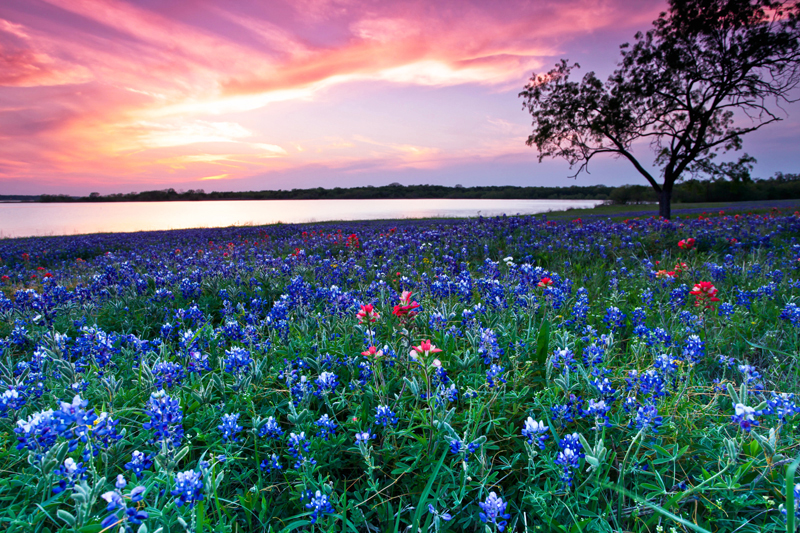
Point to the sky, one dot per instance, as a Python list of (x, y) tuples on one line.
[(115, 96)]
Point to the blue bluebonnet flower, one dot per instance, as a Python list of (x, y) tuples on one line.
[(327, 427), (188, 340), (580, 310), (666, 364), (647, 297), (677, 297), (791, 313), (120, 512), (614, 318), (364, 373), (238, 361), (446, 394), (604, 388), (647, 418), (271, 464), (11, 399), (494, 375), (782, 405), (694, 349), (564, 359), (593, 355), (650, 382), (437, 321), (364, 437), (198, 362), (659, 336), (535, 430), (569, 457), (230, 427), (271, 430), (437, 515), (570, 411), (744, 416), (188, 488), (166, 419), (555, 296), (326, 383), (139, 463), (494, 511), (439, 376), (384, 416), (319, 504), (70, 472), (751, 376), (488, 347), (168, 374), (299, 448), (39, 432), (745, 298), (599, 410), (19, 335), (457, 447), (726, 309)]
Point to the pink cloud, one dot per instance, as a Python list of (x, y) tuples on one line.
[(142, 95)]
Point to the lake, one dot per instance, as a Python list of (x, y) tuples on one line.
[(34, 219)]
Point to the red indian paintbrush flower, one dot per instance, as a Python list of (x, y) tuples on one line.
[(406, 307), (686, 244), (704, 293), (367, 313), (545, 282), (372, 351), (425, 347)]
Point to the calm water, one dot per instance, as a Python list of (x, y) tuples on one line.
[(25, 220)]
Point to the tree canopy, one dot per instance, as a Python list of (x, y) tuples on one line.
[(709, 72)]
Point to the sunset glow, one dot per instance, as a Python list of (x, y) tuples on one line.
[(116, 96)]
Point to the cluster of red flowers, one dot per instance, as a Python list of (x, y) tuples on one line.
[(372, 351), (545, 282), (368, 314), (704, 293), (407, 307), (686, 244), (352, 241)]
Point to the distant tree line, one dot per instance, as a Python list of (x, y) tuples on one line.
[(392, 191), (780, 187)]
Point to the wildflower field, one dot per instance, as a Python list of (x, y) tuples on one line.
[(492, 374)]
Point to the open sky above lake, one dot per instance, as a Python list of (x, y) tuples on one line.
[(115, 96)]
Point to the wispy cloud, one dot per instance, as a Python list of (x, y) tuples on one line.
[(94, 90)]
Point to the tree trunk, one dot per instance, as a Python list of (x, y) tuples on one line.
[(664, 201)]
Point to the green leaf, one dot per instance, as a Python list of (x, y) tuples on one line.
[(790, 503), (66, 516), (421, 502), (543, 344), (201, 516), (650, 486)]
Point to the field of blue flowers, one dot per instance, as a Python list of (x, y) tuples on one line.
[(492, 374)]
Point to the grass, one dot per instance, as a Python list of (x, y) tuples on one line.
[(515, 373)]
